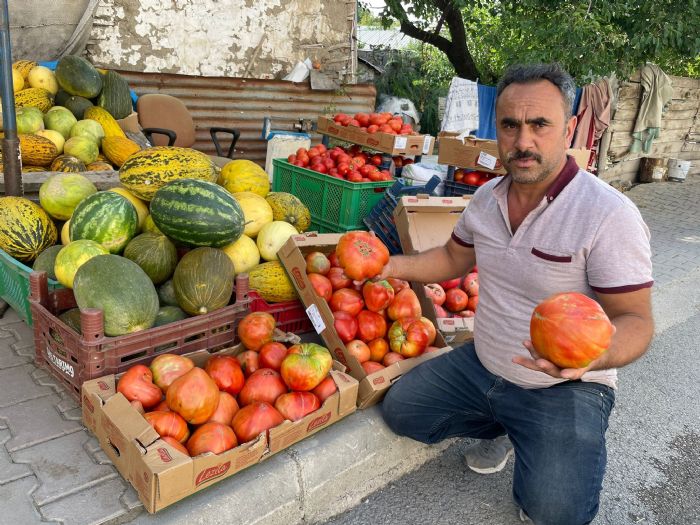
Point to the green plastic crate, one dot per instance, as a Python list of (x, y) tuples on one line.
[(336, 205), (14, 285)]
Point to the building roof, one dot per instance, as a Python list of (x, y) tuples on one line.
[(386, 38)]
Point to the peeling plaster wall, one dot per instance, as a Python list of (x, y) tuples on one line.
[(258, 39)]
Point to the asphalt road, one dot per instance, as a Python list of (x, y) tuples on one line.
[(653, 473)]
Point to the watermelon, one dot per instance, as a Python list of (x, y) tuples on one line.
[(46, 260), (61, 193), (197, 213), (77, 76), (104, 217), (121, 289), (169, 314), (154, 253), (26, 229)]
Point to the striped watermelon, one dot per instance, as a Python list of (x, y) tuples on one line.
[(148, 170), (26, 229), (106, 218), (197, 213)]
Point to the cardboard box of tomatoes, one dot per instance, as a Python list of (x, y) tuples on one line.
[(424, 222), (380, 141), (482, 155), (159, 471), (376, 378)]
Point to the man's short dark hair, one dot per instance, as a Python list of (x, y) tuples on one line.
[(554, 72)]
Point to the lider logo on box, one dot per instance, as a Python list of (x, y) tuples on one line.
[(341, 357), (378, 380), (319, 421), (103, 386), (165, 456), (296, 272), (212, 472), (372, 142)]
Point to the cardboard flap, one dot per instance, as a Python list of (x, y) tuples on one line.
[(347, 387), (424, 223)]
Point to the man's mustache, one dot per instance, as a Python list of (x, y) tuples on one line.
[(518, 155)]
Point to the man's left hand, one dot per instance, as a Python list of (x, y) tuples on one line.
[(539, 364)]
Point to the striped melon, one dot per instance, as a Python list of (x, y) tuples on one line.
[(104, 217), (197, 213), (287, 207), (121, 289), (106, 120), (155, 254), (169, 314), (24, 66), (244, 175), (166, 294), (203, 281), (146, 171), (34, 97), (36, 150), (26, 229), (271, 281), (68, 164), (73, 256), (61, 193), (118, 149)]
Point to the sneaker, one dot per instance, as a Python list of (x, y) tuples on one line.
[(524, 517), (489, 456)]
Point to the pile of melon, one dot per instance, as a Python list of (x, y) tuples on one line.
[(163, 246), (67, 118)]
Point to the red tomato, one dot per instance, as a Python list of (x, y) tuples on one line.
[(345, 325), (325, 389), (305, 366), (296, 405), (472, 178), (361, 255), (372, 128), (346, 300), (226, 372), (370, 325), (302, 152), (408, 337), (265, 384), (250, 421), (167, 423), (456, 299), (370, 367), (256, 329), (358, 349), (405, 304), (339, 117), (211, 437), (249, 361), (225, 410), (194, 396), (137, 385), (391, 357), (292, 158), (271, 355), (378, 348), (166, 368), (376, 160), (338, 278), (322, 285), (377, 295)]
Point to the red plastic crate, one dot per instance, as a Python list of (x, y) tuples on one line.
[(290, 316), (74, 358)]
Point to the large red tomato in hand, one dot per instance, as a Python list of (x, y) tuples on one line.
[(226, 372), (570, 330), (405, 304), (305, 366), (194, 396), (166, 368), (211, 437), (361, 255), (295, 405), (263, 385), (408, 337), (256, 329), (377, 295), (137, 385), (338, 278), (169, 424), (255, 418)]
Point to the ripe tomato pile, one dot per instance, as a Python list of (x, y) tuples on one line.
[(351, 164), (457, 297), (232, 399), (376, 122), (380, 322), (473, 178)]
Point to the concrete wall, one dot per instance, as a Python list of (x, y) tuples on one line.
[(214, 38)]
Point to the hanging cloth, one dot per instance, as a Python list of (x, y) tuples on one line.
[(461, 106), (657, 92), (593, 114)]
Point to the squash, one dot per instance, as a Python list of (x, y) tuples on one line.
[(256, 211), (203, 281), (244, 175), (73, 256), (271, 238), (68, 164), (34, 97), (106, 120), (36, 150), (148, 170), (155, 254), (78, 77), (118, 149), (115, 96), (121, 289), (61, 193), (287, 207), (194, 212), (271, 281), (33, 169), (72, 319), (65, 233), (26, 229), (150, 226)]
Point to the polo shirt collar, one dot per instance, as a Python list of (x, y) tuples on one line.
[(565, 176)]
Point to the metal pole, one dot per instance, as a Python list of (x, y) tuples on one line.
[(12, 162)]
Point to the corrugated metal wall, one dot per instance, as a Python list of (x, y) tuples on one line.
[(243, 103)]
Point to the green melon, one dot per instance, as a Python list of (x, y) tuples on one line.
[(61, 193), (29, 119), (83, 148), (115, 96), (166, 294), (46, 260), (121, 289), (77, 76), (106, 218), (73, 256), (72, 318), (77, 106), (61, 120), (169, 314), (203, 281), (154, 253), (197, 213), (88, 128)]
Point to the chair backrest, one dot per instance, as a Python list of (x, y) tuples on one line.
[(165, 111)]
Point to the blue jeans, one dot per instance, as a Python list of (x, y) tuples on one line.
[(558, 433)]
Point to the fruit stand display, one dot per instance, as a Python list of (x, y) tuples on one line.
[(376, 329), (187, 421)]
